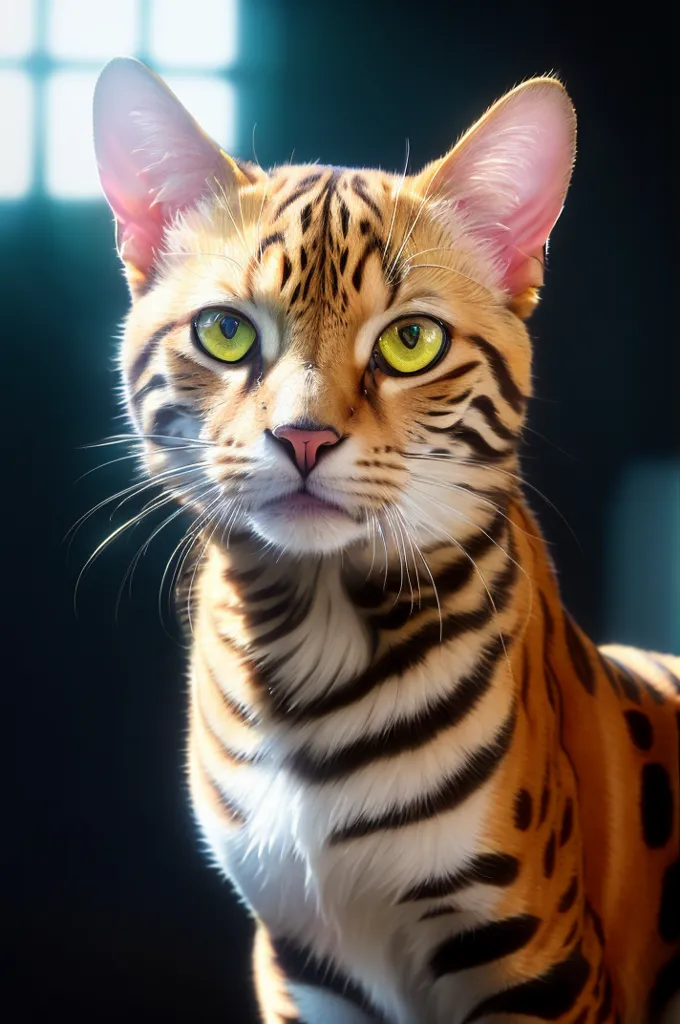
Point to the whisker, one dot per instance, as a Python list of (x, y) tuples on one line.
[(386, 247)]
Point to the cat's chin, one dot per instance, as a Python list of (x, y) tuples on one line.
[(319, 529)]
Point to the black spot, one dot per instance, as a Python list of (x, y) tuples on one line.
[(669, 911), (571, 934), (306, 217), (567, 821), (343, 260), (549, 857), (523, 810), (334, 280), (364, 227), (286, 271), (656, 805), (547, 997), (579, 656), (483, 945), (568, 897), (303, 257), (640, 729), (296, 292)]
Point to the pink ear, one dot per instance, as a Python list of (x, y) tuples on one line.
[(153, 158), (509, 175)]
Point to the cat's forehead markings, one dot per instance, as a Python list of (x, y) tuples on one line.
[(310, 221)]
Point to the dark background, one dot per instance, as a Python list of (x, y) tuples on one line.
[(110, 907)]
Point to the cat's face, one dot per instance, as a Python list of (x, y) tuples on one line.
[(326, 356)]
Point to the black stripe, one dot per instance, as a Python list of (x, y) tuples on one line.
[(487, 869), (627, 681), (153, 384), (144, 358), (485, 406), (471, 437), (506, 385), (306, 217), (450, 580), (567, 821), (273, 239), (452, 792), (359, 189), (302, 967), (547, 997), (303, 186), (459, 371), (568, 897), (405, 734), (357, 276), (285, 271), (606, 1004), (549, 856), (579, 656), (344, 222), (412, 652), (597, 924), (483, 945), (670, 676)]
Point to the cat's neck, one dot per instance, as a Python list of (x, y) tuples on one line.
[(318, 631)]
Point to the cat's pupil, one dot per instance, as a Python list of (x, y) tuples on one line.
[(229, 326), (409, 335)]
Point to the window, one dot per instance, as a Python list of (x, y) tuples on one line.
[(51, 52)]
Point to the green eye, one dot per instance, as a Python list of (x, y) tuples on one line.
[(411, 345), (224, 335)]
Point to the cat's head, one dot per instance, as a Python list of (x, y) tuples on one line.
[(327, 356)]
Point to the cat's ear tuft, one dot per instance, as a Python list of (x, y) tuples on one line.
[(508, 177), (153, 160)]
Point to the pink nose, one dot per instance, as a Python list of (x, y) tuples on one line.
[(303, 445)]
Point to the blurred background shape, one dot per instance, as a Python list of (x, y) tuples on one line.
[(643, 556), (51, 52), (110, 907)]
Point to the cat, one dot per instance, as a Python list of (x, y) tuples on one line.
[(438, 799)]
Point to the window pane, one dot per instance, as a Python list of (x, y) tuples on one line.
[(198, 33), (17, 27), (16, 131), (89, 30), (211, 101), (70, 171)]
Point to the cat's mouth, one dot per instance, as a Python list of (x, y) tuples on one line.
[(303, 504)]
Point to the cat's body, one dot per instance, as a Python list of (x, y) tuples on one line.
[(440, 801)]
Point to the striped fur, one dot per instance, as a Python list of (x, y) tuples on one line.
[(440, 801)]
